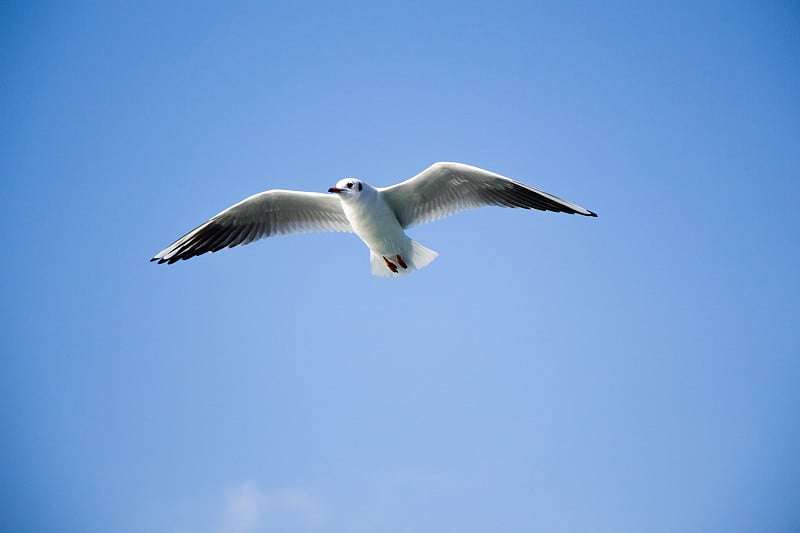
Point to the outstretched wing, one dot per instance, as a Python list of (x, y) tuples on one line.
[(444, 189), (262, 215)]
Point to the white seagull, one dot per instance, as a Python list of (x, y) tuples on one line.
[(378, 215)]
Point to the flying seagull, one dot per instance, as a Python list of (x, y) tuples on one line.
[(378, 215)]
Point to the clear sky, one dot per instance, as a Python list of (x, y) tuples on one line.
[(634, 372)]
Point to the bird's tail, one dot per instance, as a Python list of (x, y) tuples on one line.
[(415, 257)]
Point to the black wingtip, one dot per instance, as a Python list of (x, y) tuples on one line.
[(591, 214), (154, 259)]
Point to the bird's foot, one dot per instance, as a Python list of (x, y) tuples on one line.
[(401, 262), (391, 266)]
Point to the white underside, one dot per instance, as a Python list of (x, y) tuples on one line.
[(416, 256)]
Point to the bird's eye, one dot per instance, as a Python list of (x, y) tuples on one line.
[(350, 185)]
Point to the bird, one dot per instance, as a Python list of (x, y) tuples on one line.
[(379, 216)]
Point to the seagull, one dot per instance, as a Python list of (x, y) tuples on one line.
[(378, 215)]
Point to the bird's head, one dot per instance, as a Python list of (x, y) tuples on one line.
[(348, 188)]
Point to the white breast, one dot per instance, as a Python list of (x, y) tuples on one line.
[(376, 224)]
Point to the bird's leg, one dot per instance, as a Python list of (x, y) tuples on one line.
[(401, 262), (391, 266)]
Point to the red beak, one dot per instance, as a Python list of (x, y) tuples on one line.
[(334, 189)]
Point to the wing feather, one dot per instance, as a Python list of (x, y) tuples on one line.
[(267, 214), (444, 189)]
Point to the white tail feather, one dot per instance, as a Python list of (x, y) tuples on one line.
[(415, 257)]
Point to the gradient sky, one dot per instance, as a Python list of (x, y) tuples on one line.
[(634, 372)]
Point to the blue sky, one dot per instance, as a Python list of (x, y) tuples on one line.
[(634, 372)]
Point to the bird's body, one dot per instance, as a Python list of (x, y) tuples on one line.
[(379, 216), (374, 221)]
